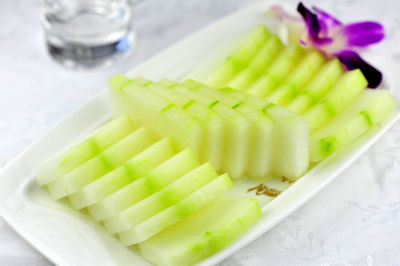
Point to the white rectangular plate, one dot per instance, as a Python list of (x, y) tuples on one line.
[(67, 237)]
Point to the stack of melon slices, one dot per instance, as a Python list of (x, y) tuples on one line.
[(238, 135), (139, 185), (157, 177), (335, 103), (264, 138)]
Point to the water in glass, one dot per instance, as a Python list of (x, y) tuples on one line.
[(87, 33)]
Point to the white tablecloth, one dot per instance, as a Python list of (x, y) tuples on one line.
[(354, 221)]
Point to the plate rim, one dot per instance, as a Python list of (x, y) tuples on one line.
[(359, 150)]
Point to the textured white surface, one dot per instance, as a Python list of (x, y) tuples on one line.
[(354, 221)]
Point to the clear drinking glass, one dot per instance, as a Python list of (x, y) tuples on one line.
[(87, 33)]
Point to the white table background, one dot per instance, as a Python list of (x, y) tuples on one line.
[(354, 221)]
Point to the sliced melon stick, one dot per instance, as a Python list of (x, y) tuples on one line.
[(214, 124), (131, 170), (161, 117), (119, 105), (262, 138), (341, 95), (237, 137), (101, 164), (277, 71), (203, 233), (241, 57), (176, 212), (297, 80), (258, 65), (100, 139), (162, 199), (292, 135), (183, 103), (322, 82), (371, 108), (144, 186)]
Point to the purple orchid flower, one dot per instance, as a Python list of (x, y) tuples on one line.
[(330, 36)]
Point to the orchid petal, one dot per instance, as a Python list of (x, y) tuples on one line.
[(310, 20), (327, 22), (363, 34), (353, 61), (322, 41), (318, 43)]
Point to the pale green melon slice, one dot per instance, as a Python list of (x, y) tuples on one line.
[(240, 58), (162, 199), (291, 139), (101, 164), (100, 139), (297, 80), (131, 170), (153, 181), (346, 90), (322, 82), (261, 142), (278, 71), (236, 139), (371, 108), (213, 123), (177, 212), (203, 233), (160, 116), (258, 65)]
